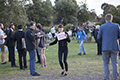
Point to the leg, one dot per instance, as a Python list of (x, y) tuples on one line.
[(32, 61), (24, 58), (20, 58), (2, 53), (82, 46), (43, 51), (106, 56), (114, 60), (38, 56), (12, 55), (9, 55), (65, 58), (60, 59)]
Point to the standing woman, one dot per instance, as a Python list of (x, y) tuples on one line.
[(62, 49)]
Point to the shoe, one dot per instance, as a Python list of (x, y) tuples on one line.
[(37, 62), (15, 66), (41, 66), (66, 74), (62, 72), (36, 74), (84, 54), (79, 53), (4, 63), (45, 66), (25, 69)]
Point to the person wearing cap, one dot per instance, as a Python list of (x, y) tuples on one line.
[(2, 46), (11, 45), (62, 49), (19, 36)]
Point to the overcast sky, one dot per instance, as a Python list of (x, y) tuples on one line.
[(96, 4)]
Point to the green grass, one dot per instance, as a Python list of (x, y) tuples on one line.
[(80, 65)]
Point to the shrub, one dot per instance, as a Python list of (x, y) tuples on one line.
[(67, 27)]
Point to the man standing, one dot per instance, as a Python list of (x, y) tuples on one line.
[(30, 40), (109, 33), (11, 45), (2, 46), (19, 37)]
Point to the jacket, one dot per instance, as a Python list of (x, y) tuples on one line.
[(81, 35), (30, 40), (18, 37), (109, 34)]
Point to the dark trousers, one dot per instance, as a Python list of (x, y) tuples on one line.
[(38, 56), (60, 53), (53, 34), (99, 48), (22, 54), (11, 50)]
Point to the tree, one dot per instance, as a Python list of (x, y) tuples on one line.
[(13, 11), (83, 14), (93, 15), (118, 10), (108, 8), (40, 12), (66, 12)]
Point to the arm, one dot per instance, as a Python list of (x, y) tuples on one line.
[(38, 42), (99, 36), (68, 39), (54, 42), (31, 36)]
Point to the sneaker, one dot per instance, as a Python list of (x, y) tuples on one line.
[(45, 66), (84, 54), (25, 69), (66, 74), (36, 74), (15, 66), (38, 62), (4, 63), (79, 53), (41, 66), (62, 72)]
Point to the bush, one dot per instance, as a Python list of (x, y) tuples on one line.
[(67, 27), (47, 29), (99, 23)]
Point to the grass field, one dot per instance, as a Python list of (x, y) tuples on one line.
[(90, 65)]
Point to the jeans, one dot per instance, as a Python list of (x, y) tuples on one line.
[(114, 59), (32, 61), (81, 46)]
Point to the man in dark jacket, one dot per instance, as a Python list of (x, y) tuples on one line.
[(11, 45), (30, 40), (19, 36)]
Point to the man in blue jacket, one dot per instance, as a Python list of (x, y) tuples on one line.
[(109, 34)]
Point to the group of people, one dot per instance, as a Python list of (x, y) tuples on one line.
[(107, 37)]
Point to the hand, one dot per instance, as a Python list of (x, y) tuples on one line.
[(2, 37), (38, 33), (47, 45)]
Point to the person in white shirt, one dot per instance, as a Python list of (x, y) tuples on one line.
[(2, 46), (53, 31)]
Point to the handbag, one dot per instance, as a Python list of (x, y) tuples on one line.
[(23, 43)]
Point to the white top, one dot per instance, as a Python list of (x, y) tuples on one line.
[(2, 34), (53, 30)]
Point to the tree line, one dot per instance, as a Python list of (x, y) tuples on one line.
[(64, 11)]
